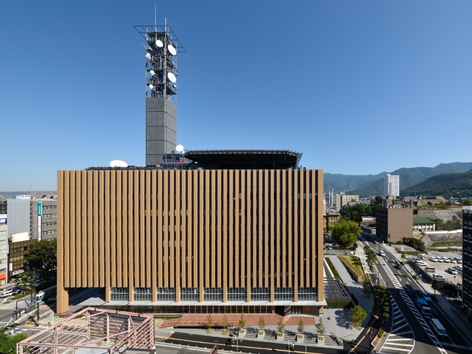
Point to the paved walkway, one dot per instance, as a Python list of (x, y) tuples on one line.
[(355, 289)]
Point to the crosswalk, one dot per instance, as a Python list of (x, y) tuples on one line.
[(401, 339), (412, 307)]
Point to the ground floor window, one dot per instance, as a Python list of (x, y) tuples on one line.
[(283, 294), (260, 294), (307, 294), (189, 294), (119, 294), (212, 294), (165, 294), (142, 294), (237, 294)]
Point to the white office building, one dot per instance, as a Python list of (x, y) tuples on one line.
[(391, 185)]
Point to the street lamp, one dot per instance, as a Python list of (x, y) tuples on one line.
[(370, 329)]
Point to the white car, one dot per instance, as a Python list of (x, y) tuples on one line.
[(421, 263), (458, 267), (459, 260), (382, 253), (446, 260), (438, 277), (432, 258), (453, 260), (452, 271)]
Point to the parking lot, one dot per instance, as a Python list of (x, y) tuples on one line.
[(441, 267)]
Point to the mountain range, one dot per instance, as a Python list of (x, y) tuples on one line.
[(369, 185), (448, 185)]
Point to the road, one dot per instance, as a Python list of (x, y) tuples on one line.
[(425, 340)]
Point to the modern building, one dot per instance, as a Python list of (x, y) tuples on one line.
[(3, 207), (423, 225), (195, 241), (393, 221), (391, 185), (343, 199), (35, 214), (3, 254), (467, 259), (18, 248)]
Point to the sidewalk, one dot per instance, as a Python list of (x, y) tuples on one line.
[(343, 324)]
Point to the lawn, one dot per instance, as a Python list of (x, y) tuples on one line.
[(354, 264), (448, 244)]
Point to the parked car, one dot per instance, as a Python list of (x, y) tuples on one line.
[(452, 271), (459, 260), (446, 260), (434, 259), (421, 263), (452, 260), (438, 277), (458, 267)]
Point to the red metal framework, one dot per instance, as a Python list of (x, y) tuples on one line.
[(103, 330)]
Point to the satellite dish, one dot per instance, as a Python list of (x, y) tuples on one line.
[(159, 43), (151, 86), (152, 73), (171, 77), (179, 148), (118, 163), (148, 56), (171, 49)]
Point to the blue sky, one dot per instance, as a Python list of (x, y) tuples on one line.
[(359, 87)]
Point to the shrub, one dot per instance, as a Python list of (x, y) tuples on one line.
[(381, 333)]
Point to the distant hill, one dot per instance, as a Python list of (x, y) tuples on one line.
[(411, 176), (342, 183), (448, 185)]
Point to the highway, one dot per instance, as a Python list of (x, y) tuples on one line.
[(426, 341)]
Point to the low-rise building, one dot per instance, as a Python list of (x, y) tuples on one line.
[(329, 219), (423, 225), (3, 254), (18, 246), (343, 199), (394, 221)]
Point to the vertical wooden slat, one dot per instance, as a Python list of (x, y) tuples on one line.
[(113, 232), (277, 220), (107, 262), (191, 234), (241, 255), (319, 233), (271, 222), (213, 201), (66, 229), (238, 231), (178, 242), (147, 235), (84, 228), (61, 262), (308, 234), (208, 250), (255, 263), (247, 207), (143, 250), (225, 235), (78, 229), (136, 228), (301, 231), (265, 221), (72, 233), (154, 218), (231, 216), (219, 238), (160, 221), (96, 249), (184, 257), (119, 229), (131, 234), (289, 228), (296, 204), (201, 234), (101, 227), (124, 218), (166, 229), (172, 228), (89, 229), (197, 276), (260, 233)]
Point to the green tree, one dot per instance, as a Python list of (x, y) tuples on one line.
[(345, 232), (225, 323), (320, 328), (26, 281), (367, 286), (280, 326), (370, 256), (261, 323), (357, 315), (209, 321), (242, 321), (42, 256), (301, 326), (8, 343)]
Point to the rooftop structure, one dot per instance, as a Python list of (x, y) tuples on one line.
[(95, 330)]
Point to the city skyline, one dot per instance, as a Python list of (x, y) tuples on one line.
[(74, 96)]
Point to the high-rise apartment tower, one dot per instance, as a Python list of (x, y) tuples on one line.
[(391, 185)]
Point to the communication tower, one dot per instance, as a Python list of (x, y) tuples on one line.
[(162, 48)]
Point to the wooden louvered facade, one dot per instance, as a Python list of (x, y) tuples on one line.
[(191, 229)]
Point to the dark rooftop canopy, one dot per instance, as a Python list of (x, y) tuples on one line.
[(245, 159)]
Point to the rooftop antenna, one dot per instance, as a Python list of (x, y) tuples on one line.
[(155, 19)]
